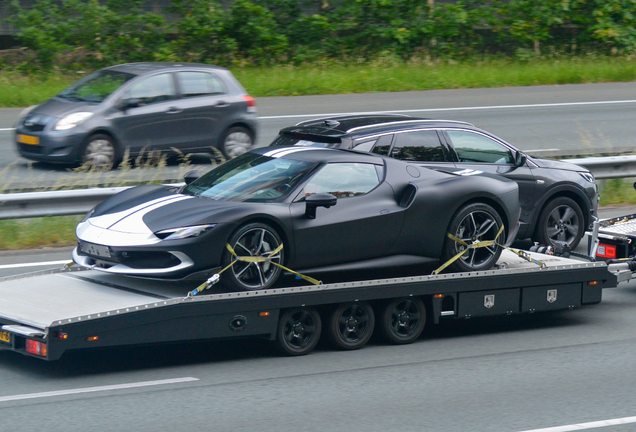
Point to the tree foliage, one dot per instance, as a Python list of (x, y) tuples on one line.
[(97, 33)]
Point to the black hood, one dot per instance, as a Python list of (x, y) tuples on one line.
[(550, 163)]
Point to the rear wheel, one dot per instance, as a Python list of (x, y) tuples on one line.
[(236, 141), (403, 320), (100, 151), (562, 220), (298, 331), (473, 223), (351, 325), (255, 240)]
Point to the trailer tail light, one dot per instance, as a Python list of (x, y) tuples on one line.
[(251, 103), (36, 348), (606, 251)]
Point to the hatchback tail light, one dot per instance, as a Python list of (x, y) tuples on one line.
[(251, 103)]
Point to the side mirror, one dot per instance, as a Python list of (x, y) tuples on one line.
[(191, 176), (312, 202), (129, 103), (634, 185), (520, 159)]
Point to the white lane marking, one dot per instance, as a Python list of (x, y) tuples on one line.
[(590, 425), (7, 129), (453, 109), (96, 389), (34, 264)]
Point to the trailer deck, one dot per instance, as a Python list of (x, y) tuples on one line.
[(77, 309)]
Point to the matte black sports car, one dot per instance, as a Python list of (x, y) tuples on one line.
[(558, 199), (330, 209)]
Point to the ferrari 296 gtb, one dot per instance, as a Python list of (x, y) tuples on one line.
[(309, 209)]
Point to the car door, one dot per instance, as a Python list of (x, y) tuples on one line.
[(204, 103), (364, 224), (481, 152), (147, 119)]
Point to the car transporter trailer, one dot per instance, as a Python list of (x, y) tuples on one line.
[(44, 314)]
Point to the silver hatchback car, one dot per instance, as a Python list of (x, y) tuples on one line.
[(138, 108)]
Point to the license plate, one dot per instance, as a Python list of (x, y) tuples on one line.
[(28, 139), (95, 250), (5, 337)]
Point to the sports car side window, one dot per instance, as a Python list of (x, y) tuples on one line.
[(343, 180), (423, 146), (475, 147)]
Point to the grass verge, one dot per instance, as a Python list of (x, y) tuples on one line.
[(38, 232), (381, 75)]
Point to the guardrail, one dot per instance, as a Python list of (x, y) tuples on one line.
[(72, 202)]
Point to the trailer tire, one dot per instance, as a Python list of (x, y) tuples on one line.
[(403, 320), (298, 331), (351, 325)]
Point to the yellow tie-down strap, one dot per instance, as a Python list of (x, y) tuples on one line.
[(249, 259), (482, 244)]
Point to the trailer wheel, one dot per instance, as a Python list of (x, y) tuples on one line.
[(298, 331), (351, 325), (403, 320)]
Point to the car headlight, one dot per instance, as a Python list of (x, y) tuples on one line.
[(184, 232), (587, 176), (72, 120)]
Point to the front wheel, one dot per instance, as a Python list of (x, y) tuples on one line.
[(254, 240), (473, 223), (562, 220), (236, 141), (100, 151)]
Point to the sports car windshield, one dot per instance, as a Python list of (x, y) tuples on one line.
[(250, 177)]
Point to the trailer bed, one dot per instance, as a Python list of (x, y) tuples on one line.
[(87, 308)]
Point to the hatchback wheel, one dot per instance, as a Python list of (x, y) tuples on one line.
[(100, 151), (236, 141)]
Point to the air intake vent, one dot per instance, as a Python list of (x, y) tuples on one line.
[(408, 195)]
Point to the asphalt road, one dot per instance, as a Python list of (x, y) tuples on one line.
[(544, 120), (504, 374)]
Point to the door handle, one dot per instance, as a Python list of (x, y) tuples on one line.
[(173, 110), (222, 104)]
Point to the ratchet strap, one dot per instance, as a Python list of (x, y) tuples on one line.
[(481, 244), (249, 259)]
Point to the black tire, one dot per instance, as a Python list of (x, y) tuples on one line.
[(351, 325), (561, 219), (403, 320), (298, 331), (255, 239), (236, 141), (101, 152), (473, 223)]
